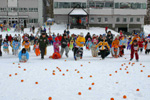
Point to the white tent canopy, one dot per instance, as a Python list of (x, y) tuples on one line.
[(78, 12)]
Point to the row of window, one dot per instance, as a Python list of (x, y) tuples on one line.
[(19, 9), (117, 19), (118, 5), (101, 4), (68, 4), (33, 20)]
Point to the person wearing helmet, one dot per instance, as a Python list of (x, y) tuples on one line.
[(23, 55)]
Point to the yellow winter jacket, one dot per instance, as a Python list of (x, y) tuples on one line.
[(103, 45), (26, 45), (79, 40)]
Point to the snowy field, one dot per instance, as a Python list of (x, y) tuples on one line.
[(112, 77)]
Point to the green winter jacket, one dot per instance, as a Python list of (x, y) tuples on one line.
[(43, 42)]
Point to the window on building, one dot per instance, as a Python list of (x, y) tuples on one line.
[(124, 5), (92, 19), (35, 20), (84, 5), (138, 19), (99, 4), (12, 9), (3, 9), (131, 19), (31, 9), (124, 19), (30, 20), (116, 5), (108, 4), (143, 5), (117, 19), (139, 5), (106, 19), (64, 5), (23, 10), (92, 4), (56, 5), (99, 20), (35, 9), (74, 4)]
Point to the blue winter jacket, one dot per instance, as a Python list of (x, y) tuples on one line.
[(16, 45), (5, 45), (23, 54)]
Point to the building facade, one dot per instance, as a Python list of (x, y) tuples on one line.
[(147, 17), (26, 12), (126, 15)]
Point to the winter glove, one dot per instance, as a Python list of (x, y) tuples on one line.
[(81, 42)]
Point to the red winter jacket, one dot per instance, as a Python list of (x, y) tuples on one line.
[(134, 47), (9, 38), (50, 38), (140, 43)]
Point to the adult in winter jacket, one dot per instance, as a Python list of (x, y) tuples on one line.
[(109, 38), (23, 55), (43, 42), (64, 45)]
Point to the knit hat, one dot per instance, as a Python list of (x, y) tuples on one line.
[(81, 34)]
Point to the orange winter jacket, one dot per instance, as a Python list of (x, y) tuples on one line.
[(115, 43), (26, 44)]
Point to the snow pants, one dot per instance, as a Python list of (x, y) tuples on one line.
[(94, 52), (113, 52), (104, 53), (147, 51), (66, 49), (42, 51), (15, 52), (136, 54)]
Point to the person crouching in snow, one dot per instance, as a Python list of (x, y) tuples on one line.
[(36, 48), (88, 44), (104, 48), (23, 55), (94, 49), (147, 46), (56, 54), (26, 44), (134, 50), (5, 46), (15, 46), (115, 48)]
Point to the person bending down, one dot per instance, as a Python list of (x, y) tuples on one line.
[(23, 55)]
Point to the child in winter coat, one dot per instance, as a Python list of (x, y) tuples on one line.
[(140, 43), (147, 46), (26, 44), (129, 43), (115, 48), (36, 49), (56, 54), (5, 46), (16, 46), (134, 50), (89, 43), (23, 55), (71, 44), (94, 49)]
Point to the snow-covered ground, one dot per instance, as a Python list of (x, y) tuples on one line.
[(108, 83)]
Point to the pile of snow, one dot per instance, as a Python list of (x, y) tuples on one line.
[(147, 29)]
